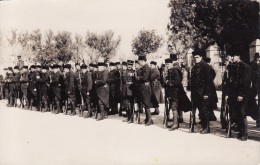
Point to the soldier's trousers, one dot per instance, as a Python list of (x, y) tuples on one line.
[(204, 109), (24, 94), (128, 105)]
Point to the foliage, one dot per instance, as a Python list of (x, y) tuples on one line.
[(147, 41)]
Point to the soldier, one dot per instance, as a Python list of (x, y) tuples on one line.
[(55, 83), (17, 87), (24, 80), (156, 87), (69, 84), (93, 95), (42, 82), (20, 62), (238, 94), (202, 87), (32, 95), (77, 83), (10, 81), (114, 77), (172, 85), (1, 86), (127, 91), (5, 85), (144, 78), (86, 86), (102, 90), (256, 84), (213, 106), (118, 84)]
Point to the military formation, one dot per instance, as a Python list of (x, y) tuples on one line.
[(133, 87)]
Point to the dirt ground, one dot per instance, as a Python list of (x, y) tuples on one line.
[(35, 138)]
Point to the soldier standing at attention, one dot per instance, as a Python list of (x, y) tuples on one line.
[(32, 86), (77, 83), (86, 82), (24, 86), (10, 81), (144, 78), (238, 94), (256, 84), (17, 86), (69, 84), (156, 87), (127, 91), (102, 90), (172, 85), (56, 87), (202, 87)]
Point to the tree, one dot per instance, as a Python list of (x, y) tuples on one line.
[(103, 45), (231, 24), (78, 48), (147, 41), (63, 44)]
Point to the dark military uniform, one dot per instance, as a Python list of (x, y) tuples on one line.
[(156, 87), (114, 77), (144, 79), (77, 86), (127, 93), (255, 91), (32, 92), (86, 86), (11, 87), (1, 87), (202, 85), (240, 80), (55, 83), (42, 83), (69, 88), (102, 90), (17, 88), (24, 80)]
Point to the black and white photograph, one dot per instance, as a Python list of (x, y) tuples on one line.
[(129, 82)]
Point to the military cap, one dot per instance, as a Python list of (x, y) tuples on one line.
[(153, 63), (197, 52), (25, 67), (130, 62), (16, 67), (143, 58), (101, 64), (5, 68), (19, 56), (235, 52), (10, 68), (173, 57), (68, 66), (111, 64), (55, 66), (257, 55), (32, 67), (95, 65), (117, 63), (124, 63), (45, 67), (168, 60), (207, 59), (83, 66), (163, 65), (91, 65)]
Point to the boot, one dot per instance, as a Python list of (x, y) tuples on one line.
[(149, 116), (146, 118), (244, 136), (89, 114), (100, 116), (180, 117), (131, 116), (128, 115), (175, 121), (206, 129), (73, 109), (46, 107), (156, 111), (58, 108)]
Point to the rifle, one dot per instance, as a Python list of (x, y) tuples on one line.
[(81, 96), (229, 121), (192, 118), (40, 96), (166, 111), (18, 102)]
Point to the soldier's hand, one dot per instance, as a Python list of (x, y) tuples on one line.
[(226, 98), (35, 89), (37, 77), (88, 93), (205, 97), (146, 84), (239, 98)]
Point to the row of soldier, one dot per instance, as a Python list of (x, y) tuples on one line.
[(134, 85)]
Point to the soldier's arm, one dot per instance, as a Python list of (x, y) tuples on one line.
[(71, 82), (102, 81), (208, 77), (90, 82)]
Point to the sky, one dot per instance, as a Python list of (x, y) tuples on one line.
[(124, 17)]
